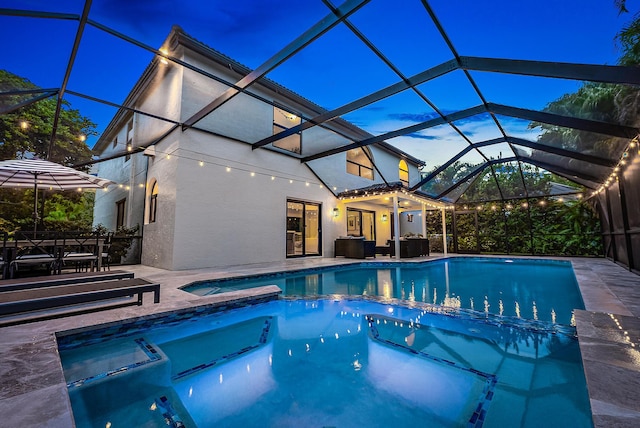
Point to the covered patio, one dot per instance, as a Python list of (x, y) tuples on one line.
[(390, 201)]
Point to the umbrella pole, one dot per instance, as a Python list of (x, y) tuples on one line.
[(35, 204)]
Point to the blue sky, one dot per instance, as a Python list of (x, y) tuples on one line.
[(337, 68)]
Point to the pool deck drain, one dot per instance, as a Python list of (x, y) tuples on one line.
[(33, 392)]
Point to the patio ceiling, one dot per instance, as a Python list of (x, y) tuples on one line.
[(383, 196), (455, 87)]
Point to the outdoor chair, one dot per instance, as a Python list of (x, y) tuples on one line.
[(106, 252), (80, 249), (3, 257), (28, 251), (354, 248)]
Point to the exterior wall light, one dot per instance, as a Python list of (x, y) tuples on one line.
[(336, 212), (384, 217)]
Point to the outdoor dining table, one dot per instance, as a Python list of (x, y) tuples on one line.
[(51, 247)]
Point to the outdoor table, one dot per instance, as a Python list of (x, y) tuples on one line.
[(54, 244)]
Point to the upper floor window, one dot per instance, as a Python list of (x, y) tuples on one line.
[(115, 142), (153, 202), (359, 162), (129, 139), (403, 172), (283, 120)]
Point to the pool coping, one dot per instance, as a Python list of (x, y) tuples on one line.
[(34, 392)]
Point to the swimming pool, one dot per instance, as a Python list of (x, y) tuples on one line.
[(532, 289), (327, 362)]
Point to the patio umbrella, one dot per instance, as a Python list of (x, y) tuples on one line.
[(27, 173)]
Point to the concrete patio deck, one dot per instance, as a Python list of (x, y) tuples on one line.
[(33, 390)]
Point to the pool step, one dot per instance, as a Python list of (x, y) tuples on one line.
[(216, 346), (406, 336), (99, 362)]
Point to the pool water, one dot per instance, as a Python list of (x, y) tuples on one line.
[(327, 362), (544, 290)]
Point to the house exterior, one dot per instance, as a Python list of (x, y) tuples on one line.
[(203, 196)]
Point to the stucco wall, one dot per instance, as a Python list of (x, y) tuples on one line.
[(160, 96), (158, 237), (229, 218)]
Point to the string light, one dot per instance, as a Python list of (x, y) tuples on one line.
[(618, 168), (203, 162), (164, 53)]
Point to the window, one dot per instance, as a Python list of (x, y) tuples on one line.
[(115, 142), (404, 173), (129, 139), (283, 120), (359, 162), (153, 202), (120, 213)]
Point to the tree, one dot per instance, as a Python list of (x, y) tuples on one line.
[(29, 128), (599, 101), (629, 37), (449, 176)]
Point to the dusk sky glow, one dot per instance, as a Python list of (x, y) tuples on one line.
[(337, 68)]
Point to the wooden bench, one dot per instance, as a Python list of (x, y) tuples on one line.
[(42, 298), (63, 279)]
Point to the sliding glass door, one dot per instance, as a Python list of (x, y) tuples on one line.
[(303, 229), (361, 223)]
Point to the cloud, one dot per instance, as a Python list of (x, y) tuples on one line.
[(423, 137), (413, 117), (423, 117)]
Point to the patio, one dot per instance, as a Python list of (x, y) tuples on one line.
[(34, 390)]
